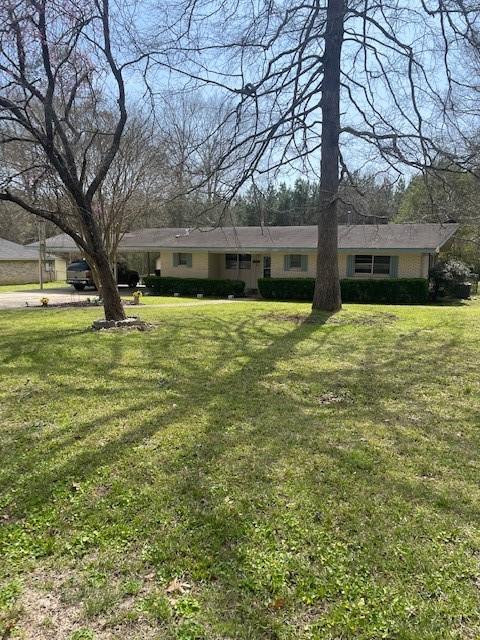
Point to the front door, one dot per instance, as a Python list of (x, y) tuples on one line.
[(267, 266)]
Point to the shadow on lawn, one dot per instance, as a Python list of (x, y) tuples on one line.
[(267, 434), (112, 371)]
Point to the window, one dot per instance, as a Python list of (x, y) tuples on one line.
[(231, 261), (372, 265), (238, 261), (295, 262), (182, 259), (244, 260)]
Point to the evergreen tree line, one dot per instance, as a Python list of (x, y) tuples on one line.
[(368, 202)]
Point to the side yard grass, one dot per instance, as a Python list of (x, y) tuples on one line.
[(7, 288), (242, 471)]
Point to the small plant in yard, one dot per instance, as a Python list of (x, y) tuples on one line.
[(9, 595), (187, 606), (137, 296), (157, 606), (190, 630), (44, 301)]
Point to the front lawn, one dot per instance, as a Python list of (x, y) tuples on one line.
[(238, 473), (34, 286)]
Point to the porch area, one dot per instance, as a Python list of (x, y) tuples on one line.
[(247, 267)]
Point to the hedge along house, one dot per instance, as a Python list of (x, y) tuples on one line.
[(250, 253), (20, 265)]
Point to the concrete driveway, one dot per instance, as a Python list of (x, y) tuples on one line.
[(31, 298)]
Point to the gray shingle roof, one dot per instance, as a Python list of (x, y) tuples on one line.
[(13, 251), (414, 237)]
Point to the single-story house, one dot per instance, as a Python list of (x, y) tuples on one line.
[(20, 264), (250, 253)]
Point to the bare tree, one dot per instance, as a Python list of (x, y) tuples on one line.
[(192, 177), (58, 67), (325, 87), (132, 182)]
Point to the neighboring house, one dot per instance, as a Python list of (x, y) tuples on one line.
[(19, 264), (250, 253)]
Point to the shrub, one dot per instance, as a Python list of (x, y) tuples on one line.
[(447, 278), (389, 291), (191, 286), (286, 288)]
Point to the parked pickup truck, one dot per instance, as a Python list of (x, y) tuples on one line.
[(79, 275)]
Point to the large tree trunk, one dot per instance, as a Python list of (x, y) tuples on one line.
[(98, 258), (327, 295), (108, 288)]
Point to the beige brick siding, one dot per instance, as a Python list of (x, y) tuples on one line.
[(278, 270), (212, 265), (20, 272), (199, 268), (410, 265)]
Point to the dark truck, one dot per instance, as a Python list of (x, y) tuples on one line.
[(79, 275)]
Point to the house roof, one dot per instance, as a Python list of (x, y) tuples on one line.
[(402, 237), (13, 251)]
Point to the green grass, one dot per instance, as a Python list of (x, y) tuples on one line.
[(170, 300), (236, 473), (34, 286)]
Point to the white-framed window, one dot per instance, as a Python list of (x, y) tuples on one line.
[(372, 265), (295, 262), (182, 260), (238, 261)]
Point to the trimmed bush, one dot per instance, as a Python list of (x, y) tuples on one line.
[(388, 291), (165, 286), (286, 288)]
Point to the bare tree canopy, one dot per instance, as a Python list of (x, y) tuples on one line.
[(335, 89), (327, 87), (62, 116)]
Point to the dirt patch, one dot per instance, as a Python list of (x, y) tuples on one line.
[(44, 614), (367, 319), (335, 397), (296, 318), (337, 319)]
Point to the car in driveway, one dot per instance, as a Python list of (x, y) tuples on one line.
[(79, 275)]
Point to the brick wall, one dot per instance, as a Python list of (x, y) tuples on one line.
[(410, 265), (18, 271), (199, 268), (278, 266)]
